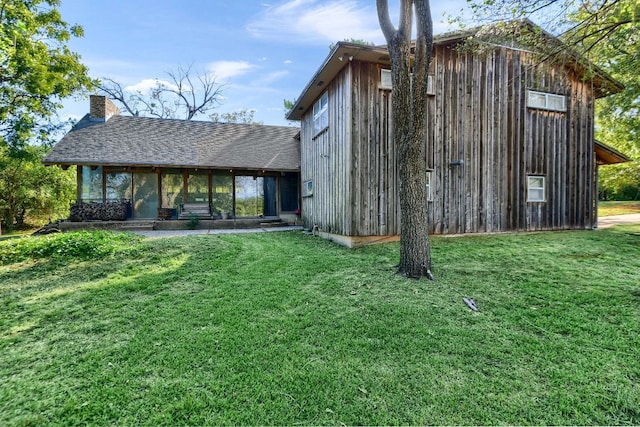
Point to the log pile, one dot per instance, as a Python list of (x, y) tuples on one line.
[(47, 229), (108, 211)]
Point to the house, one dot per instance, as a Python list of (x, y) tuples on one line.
[(145, 168), (510, 143)]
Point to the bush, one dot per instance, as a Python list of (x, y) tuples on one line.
[(193, 222), (73, 245)]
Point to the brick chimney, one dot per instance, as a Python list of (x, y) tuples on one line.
[(101, 108)]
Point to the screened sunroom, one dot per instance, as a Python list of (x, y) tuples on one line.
[(146, 168)]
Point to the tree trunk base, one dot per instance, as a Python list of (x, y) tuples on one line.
[(423, 273)]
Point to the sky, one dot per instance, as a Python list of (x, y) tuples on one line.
[(262, 51)]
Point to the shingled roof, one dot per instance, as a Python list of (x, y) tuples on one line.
[(141, 141)]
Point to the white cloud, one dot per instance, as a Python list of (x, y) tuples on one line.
[(287, 61), (271, 77), (223, 70), (320, 22), (326, 21)]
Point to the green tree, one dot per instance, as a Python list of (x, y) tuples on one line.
[(353, 41), (243, 116), (409, 78), (618, 116), (30, 192), (37, 69)]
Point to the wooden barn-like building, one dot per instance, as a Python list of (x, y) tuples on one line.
[(510, 143)]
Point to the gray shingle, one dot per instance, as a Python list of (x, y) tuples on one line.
[(141, 141)]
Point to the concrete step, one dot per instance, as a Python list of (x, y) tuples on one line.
[(198, 214), (272, 224), (137, 226)]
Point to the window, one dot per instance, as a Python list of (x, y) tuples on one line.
[(429, 196), (198, 187), (535, 189), (385, 79), (222, 192), (307, 188), (119, 185), (430, 89), (91, 183), (249, 196), (385, 82), (546, 101), (321, 114), (172, 188)]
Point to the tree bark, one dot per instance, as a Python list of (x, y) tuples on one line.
[(409, 97)]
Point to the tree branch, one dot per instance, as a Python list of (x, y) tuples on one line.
[(386, 26), (114, 90)]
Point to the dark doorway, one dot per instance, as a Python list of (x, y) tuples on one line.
[(270, 198)]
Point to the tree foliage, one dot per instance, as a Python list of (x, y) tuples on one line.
[(31, 192), (184, 95), (244, 116), (353, 41), (618, 116), (37, 69), (409, 100), (607, 32)]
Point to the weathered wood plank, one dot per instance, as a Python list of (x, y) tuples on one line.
[(478, 115)]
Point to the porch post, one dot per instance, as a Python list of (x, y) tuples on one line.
[(185, 185), (210, 185), (78, 183)]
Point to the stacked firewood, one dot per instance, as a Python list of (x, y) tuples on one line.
[(92, 211)]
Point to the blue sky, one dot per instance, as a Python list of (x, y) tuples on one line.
[(264, 51)]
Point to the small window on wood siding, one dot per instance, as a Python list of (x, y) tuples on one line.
[(428, 180), (307, 188), (546, 101), (321, 114), (385, 82), (431, 90), (385, 79), (535, 188)]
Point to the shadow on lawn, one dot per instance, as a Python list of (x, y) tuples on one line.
[(287, 329)]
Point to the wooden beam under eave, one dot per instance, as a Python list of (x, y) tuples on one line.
[(606, 155)]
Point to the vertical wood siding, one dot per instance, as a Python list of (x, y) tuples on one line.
[(373, 156), (478, 117), (325, 159)]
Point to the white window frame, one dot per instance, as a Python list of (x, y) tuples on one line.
[(546, 101), (321, 114), (307, 188), (431, 90), (428, 180), (536, 193), (385, 81)]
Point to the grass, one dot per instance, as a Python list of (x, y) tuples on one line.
[(618, 208), (286, 329)]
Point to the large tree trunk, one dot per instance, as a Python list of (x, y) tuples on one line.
[(409, 97)]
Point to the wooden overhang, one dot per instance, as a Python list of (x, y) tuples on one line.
[(339, 57), (606, 155)]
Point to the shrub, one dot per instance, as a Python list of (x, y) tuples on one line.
[(73, 245), (193, 222)]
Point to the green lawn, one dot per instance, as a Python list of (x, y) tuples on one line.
[(618, 208), (287, 329)]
